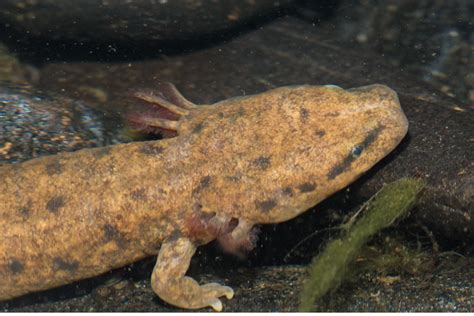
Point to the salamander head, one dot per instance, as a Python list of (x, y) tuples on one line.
[(268, 157), (336, 135)]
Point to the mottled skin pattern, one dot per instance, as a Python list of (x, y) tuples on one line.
[(252, 160)]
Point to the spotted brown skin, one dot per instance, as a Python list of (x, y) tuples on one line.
[(231, 165)]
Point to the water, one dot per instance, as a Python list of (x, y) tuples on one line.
[(68, 71)]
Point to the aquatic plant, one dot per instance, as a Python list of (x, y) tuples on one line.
[(330, 267)]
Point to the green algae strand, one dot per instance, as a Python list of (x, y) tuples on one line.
[(329, 268)]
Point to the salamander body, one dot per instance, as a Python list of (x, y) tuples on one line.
[(226, 167)]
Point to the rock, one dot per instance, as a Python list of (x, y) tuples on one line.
[(429, 38), (276, 289), (13, 71), (122, 20), (33, 124), (439, 147)]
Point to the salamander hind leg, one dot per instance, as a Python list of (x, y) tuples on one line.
[(170, 283)]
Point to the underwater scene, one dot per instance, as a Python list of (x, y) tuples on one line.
[(236, 156)]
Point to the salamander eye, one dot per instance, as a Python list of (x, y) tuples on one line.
[(357, 150)]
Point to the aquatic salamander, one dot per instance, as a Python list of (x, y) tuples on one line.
[(225, 168)]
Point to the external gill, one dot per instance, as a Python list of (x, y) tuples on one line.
[(161, 111)]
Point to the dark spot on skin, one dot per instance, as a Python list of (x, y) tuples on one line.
[(372, 136), (101, 152), (203, 183), (198, 128), (151, 149), (288, 191), (304, 114), (53, 168), (111, 233), (234, 178), (174, 236), (138, 194), (16, 266), (241, 112), (266, 205), (262, 162), (332, 114), (234, 117), (340, 168), (320, 133), (54, 204), (25, 211), (61, 264), (350, 158), (307, 187)]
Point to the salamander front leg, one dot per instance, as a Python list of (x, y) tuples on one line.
[(170, 283)]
